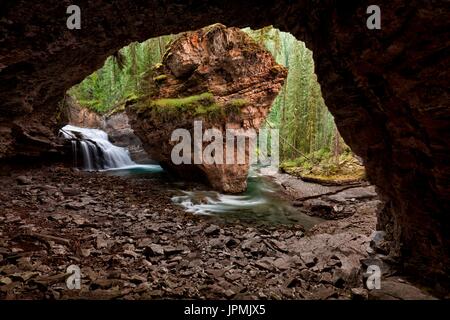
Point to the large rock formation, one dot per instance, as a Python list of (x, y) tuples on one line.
[(387, 89), (219, 77)]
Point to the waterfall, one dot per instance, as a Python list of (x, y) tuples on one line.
[(96, 150)]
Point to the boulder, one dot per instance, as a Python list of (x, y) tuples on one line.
[(216, 75)]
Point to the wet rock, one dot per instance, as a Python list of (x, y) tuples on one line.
[(308, 259), (359, 294), (5, 280), (212, 230), (101, 242), (216, 243), (392, 289), (75, 205), (282, 263), (265, 263), (176, 256), (169, 250), (70, 191), (23, 180), (154, 250), (324, 293), (357, 193)]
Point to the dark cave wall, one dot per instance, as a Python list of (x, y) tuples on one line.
[(388, 88)]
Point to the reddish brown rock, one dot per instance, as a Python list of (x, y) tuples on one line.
[(220, 77), (81, 117)]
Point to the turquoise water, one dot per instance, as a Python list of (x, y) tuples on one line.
[(261, 203)]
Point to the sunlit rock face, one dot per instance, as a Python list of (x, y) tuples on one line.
[(387, 89), (221, 78)]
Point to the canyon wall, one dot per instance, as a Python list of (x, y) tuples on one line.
[(387, 89)]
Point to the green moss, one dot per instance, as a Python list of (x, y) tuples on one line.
[(321, 166), (94, 105), (233, 107), (157, 66), (160, 78), (120, 106), (202, 105), (203, 99)]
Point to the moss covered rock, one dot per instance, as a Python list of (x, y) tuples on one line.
[(216, 75)]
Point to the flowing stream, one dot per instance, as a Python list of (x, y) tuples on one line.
[(262, 202)]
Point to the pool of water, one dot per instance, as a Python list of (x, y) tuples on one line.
[(262, 202)]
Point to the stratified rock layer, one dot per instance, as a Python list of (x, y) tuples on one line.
[(219, 77), (387, 89)]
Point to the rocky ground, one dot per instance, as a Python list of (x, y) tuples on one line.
[(132, 242)]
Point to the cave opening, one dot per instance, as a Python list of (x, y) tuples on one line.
[(309, 146)]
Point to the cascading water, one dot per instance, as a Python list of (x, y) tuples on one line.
[(96, 150), (261, 202)]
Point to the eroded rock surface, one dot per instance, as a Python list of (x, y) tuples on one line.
[(219, 77)]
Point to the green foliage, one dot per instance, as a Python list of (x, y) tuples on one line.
[(202, 105), (233, 107), (121, 75), (206, 98), (299, 111), (160, 78), (324, 167)]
